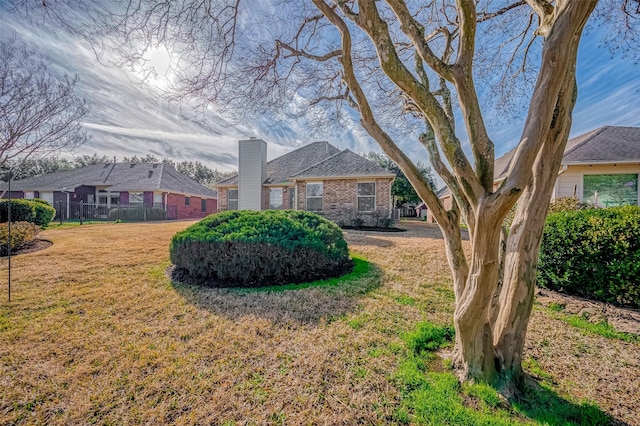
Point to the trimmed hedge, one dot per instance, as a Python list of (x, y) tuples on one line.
[(593, 253), (21, 234), (261, 248), (35, 211), (138, 213)]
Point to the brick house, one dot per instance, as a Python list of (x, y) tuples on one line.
[(122, 184), (600, 168), (338, 184)]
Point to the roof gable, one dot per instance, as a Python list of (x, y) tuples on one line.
[(344, 164)]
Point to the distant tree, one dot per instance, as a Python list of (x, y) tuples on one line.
[(39, 112), (401, 190), (36, 166), (149, 158), (91, 160)]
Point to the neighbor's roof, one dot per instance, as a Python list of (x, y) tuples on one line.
[(117, 177), (607, 144), (318, 159)]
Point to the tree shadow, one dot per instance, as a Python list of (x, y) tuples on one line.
[(303, 303), (546, 407)]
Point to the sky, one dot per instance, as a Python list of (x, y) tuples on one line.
[(129, 117)]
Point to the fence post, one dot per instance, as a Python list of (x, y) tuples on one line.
[(81, 211)]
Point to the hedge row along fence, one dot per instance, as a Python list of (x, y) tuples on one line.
[(34, 211), (593, 253), (261, 248)]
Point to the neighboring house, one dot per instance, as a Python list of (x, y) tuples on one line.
[(340, 185), (600, 168), (121, 184)]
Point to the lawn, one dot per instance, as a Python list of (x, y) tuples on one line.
[(96, 333)]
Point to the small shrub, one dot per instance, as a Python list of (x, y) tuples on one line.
[(44, 212), (566, 204), (357, 222), (261, 248), (21, 234), (594, 253)]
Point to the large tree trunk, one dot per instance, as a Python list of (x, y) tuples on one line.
[(523, 244)]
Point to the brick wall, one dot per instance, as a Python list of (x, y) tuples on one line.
[(191, 211), (222, 199), (340, 201)]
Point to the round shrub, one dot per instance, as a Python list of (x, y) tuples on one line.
[(593, 253), (261, 248), (35, 211), (44, 212)]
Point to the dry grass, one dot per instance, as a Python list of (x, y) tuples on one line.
[(96, 333)]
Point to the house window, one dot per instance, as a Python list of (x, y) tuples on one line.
[(366, 196), (314, 196), (611, 190), (292, 197), (103, 197), (136, 198), (157, 199), (232, 199), (29, 195), (275, 199), (203, 205), (187, 201), (114, 198)]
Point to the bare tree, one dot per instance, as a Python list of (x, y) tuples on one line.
[(39, 113), (410, 69)]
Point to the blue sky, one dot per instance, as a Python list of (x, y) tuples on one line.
[(130, 118)]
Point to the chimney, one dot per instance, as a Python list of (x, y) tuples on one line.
[(252, 172)]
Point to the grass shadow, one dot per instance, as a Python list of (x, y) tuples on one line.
[(546, 407), (306, 303)]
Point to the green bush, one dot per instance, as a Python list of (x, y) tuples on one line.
[(21, 211), (566, 204), (594, 253), (35, 211), (44, 212), (255, 249), (21, 234)]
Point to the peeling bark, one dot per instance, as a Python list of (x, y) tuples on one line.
[(494, 290)]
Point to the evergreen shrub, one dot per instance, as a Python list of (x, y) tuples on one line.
[(21, 234), (593, 253), (35, 211), (44, 212), (261, 248), (137, 213)]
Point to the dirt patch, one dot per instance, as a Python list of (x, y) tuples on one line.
[(621, 319), (32, 246)]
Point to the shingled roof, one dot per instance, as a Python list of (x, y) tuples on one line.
[(318, 159), (604, 145), (117, 177), (344, 164)]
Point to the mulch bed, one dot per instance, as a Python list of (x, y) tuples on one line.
[(32, 246), (373, 229)]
